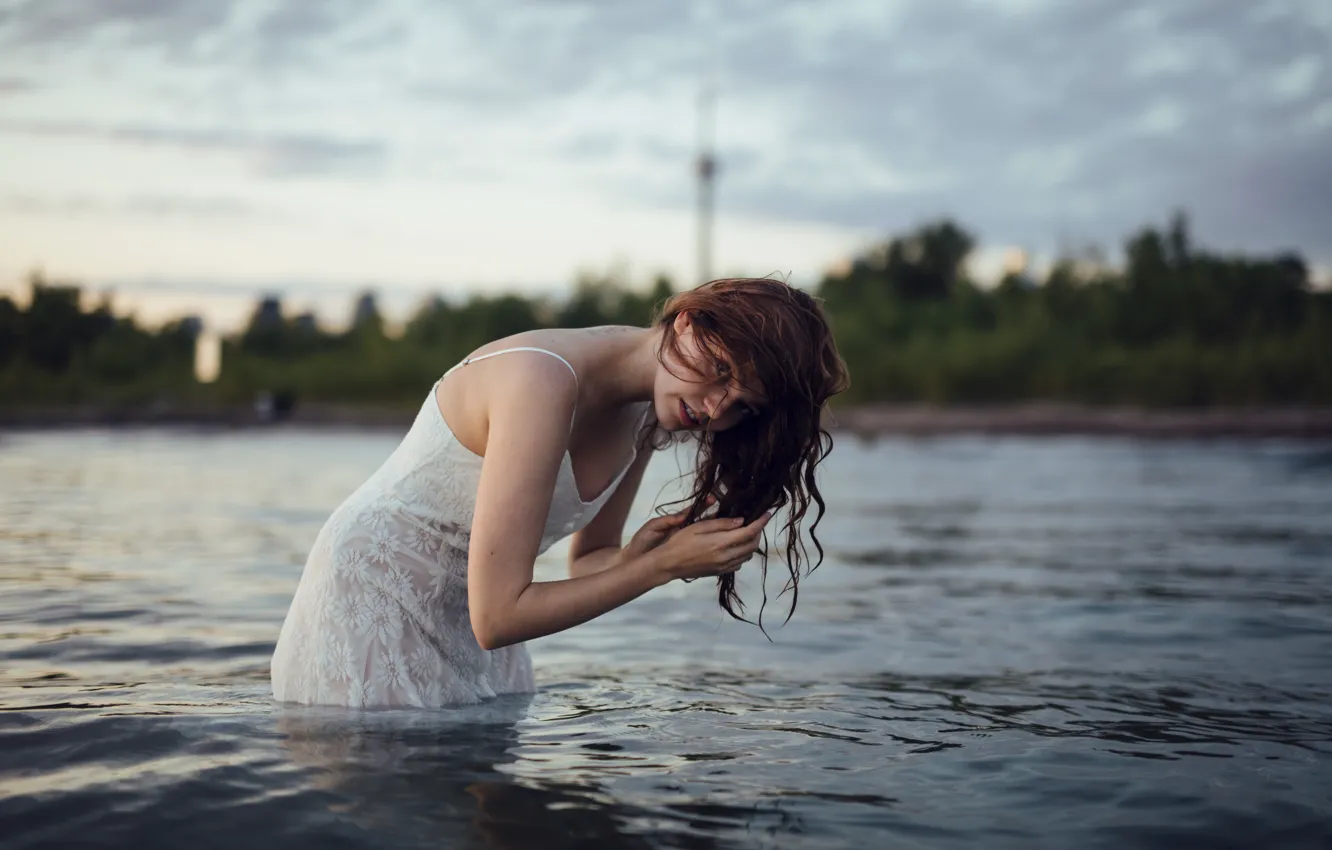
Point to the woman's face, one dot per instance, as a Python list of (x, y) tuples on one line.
[(706, 395)]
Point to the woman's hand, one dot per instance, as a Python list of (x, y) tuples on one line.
[(710, 547), (653, 533)]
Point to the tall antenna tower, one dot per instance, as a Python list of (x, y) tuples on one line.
[(706, 169)]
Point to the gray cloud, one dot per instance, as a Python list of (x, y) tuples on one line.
[(270, 156), (1033, 122), (15, 85), (1088, 117), (299, 33), (233, 34), (179, 23)]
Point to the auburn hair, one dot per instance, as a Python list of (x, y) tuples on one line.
[(779, 344)]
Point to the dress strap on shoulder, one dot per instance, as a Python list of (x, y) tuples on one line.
[(519, 348)]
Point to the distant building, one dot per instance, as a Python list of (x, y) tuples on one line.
[(191, 326), (207, 357), (267, 314), (432, 304), (366, 311), (306, 322)]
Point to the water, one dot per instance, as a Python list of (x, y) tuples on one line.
[(1013, 643)]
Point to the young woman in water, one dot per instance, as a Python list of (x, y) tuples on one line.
[(419, 588)]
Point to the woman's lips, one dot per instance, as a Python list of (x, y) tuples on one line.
[(685, 416)]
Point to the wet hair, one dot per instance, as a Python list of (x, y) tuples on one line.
[(778, 343)]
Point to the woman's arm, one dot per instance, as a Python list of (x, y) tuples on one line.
[(529, 408), (598, 545)]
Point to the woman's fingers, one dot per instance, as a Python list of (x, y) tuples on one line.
[(717, 546), (748, 535), (738, 545), (734, 526), (667, 522), (729, 566), (737, 557), (715, 526), (755, 528), (740, 551)]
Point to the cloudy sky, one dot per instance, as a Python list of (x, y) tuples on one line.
[(194, 152)]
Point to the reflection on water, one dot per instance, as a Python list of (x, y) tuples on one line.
[(406, 776), (1013, 643)]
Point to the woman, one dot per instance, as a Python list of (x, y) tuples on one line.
[(419, 589)]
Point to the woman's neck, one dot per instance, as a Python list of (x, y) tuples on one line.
[(624, 365)]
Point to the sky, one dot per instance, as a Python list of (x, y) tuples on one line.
[(190, 154)]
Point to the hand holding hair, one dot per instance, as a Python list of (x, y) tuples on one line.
[(655, 531), (710, 547)]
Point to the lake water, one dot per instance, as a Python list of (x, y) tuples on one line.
[(1012, 643)]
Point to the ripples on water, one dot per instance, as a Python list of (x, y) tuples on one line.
[(1013, 643)]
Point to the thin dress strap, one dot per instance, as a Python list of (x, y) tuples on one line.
[(527, 348), (520, 348)]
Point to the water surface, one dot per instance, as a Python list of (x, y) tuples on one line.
[(1012, 643)]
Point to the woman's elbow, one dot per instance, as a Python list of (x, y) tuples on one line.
[(488, 634)]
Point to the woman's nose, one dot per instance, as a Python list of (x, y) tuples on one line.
[(716, 405)]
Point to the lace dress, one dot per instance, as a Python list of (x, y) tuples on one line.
[(380, 616)]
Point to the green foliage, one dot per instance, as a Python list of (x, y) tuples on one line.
[(55, 352), (1178, 326)]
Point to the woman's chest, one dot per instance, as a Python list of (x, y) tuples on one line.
[(599, 454)]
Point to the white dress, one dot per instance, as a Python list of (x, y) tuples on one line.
[(380, 616)]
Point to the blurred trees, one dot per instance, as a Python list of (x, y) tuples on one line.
[(55, 351), (364, 365), (1177, 325)]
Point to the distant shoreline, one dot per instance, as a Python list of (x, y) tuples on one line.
[(867, 421), (1050, 419)]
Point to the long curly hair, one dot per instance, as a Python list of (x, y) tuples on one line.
[(779, 343)]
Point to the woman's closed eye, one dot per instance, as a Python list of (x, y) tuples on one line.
[(724, 372)]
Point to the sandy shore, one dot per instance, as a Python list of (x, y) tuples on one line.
[(867, 421)]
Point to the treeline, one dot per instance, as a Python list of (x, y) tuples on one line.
[(364, 364), (1175, 326), (57, 351)]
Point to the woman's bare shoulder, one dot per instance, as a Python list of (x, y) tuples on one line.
[(537, 387), (559, 340)]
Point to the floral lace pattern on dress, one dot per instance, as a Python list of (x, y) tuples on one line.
[(380, 616)]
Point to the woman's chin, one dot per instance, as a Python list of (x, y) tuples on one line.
[(667, 423)]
